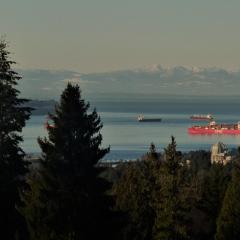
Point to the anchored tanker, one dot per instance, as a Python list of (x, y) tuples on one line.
[(202, 117), (214, 128), (141, 118)]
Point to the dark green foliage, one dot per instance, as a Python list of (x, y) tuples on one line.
[(134, 196), (170, 200), (152, 155), (229, 219), (153, 193), (172, 158), (12, 166), (68, 199), (200, 160), (209, 201)]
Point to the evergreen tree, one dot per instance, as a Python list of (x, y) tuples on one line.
[(170, 200), (229, 218), (152, 155), (172, 158), (134, 196), (68, 199), (12, 165), (213, 190)]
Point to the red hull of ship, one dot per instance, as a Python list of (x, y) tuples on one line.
[(194, 130)]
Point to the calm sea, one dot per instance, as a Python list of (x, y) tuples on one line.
[(129, 139)]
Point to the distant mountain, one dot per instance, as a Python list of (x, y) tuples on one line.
[(153, 81)]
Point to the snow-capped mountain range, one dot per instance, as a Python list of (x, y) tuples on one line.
[(155, 80)]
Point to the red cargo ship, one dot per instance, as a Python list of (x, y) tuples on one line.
[(214, 128), (202, 117)]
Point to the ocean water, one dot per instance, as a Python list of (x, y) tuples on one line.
[(130, 139)]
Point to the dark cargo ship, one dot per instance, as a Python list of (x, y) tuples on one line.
[(141, 118)]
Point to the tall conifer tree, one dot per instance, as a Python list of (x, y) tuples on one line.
[(229, 218), (68, 199), (170, 200), (12, 165), (134, 196), (213, 190), (152, 154)]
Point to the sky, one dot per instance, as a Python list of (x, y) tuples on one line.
[(105, 35)]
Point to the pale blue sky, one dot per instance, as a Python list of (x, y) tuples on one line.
[(103, 35)]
